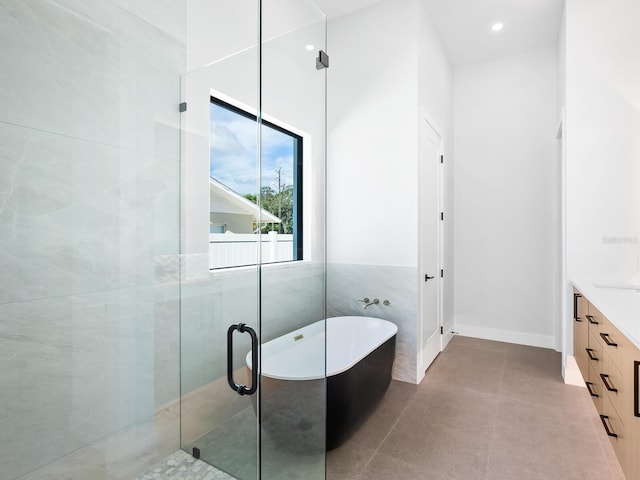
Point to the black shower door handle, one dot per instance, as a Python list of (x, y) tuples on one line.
[(239, 388)]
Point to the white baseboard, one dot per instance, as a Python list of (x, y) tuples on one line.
[(571, 373), (448, 336), (521, 338)]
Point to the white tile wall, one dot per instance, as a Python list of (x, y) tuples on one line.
[(292, 296), (89, 232)]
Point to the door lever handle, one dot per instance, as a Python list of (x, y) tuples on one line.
[(427, 278)]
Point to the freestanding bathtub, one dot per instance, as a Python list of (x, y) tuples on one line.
[(359, 358)]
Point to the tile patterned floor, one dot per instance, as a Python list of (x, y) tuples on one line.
[(487, 411)]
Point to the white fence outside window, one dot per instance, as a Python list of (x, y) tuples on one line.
[(234, 250)]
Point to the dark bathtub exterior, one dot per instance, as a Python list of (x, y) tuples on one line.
[(293, 411), (354, 394)]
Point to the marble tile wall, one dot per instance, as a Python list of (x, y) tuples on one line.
[(292, 296), (89, 233), (346, 284)]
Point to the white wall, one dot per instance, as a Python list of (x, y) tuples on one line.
[(603, 138), (375, 99), (388, 72), (506, 195), (373, 142)]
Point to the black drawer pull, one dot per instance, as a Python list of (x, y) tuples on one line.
[(610, 432), (590, 388), (607, 340), (605, 380), (576, 296), (636, 393), (591, 355), (591, 320)]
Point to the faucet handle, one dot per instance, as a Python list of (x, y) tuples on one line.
[(365, 300)]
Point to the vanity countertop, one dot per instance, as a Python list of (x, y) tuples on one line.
[(620, 306)]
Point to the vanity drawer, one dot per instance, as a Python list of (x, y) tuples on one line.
[(615, 429), (618, 348), (595, 319), (594, 351), (595, 387), (616, 387)]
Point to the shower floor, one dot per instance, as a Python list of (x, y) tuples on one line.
[(231, 446), (182, 466)]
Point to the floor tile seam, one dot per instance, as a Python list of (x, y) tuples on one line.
[(361, 474), (540, 404), (504, 365), (466, 389), (377, 449), (477, 349), (492, 350)]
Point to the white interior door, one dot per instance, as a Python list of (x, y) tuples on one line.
[(430, 338)]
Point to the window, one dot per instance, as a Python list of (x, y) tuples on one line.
[(234, 185)]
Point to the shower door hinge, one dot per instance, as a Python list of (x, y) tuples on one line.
[(183, 107), (322, 61)]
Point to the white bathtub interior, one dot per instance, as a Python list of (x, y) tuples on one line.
[(349, 339)]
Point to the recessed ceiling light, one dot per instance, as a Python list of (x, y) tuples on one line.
[(496, 27), (309, 47)]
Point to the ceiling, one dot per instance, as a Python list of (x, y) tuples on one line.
[(337, 8), (464, 26)]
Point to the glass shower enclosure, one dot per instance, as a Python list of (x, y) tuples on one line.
[(253, 240), (162, 218)]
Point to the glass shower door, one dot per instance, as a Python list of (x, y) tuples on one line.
[(253, 263), (292, 293), (220, 239)]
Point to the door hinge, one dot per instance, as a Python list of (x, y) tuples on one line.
[(441, 158), (183, 107), (322, 61), (441, 330), (441, 273), (442, 216)]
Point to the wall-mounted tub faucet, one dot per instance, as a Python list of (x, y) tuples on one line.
[(368, 303)]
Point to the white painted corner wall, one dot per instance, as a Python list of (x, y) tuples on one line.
[(506, 197), (603, 139)]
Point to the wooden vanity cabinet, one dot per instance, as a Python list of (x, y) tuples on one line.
[(607, 360)]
